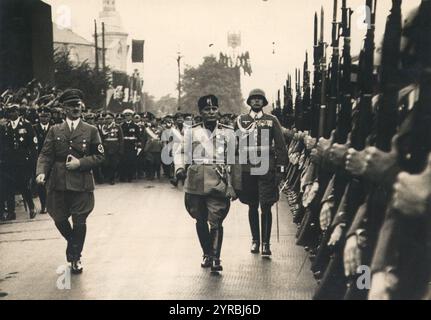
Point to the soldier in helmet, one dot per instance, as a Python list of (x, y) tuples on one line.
[(70, 152), (207, 192), (260, 134)]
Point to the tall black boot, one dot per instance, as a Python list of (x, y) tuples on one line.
[(66, 231), (204, 239), (253, 218), (266, 218), (216, 244)]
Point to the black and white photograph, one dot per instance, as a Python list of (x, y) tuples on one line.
[(235, 151)]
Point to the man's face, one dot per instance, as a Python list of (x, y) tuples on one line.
[(128, 117), (44, 118), (73, 110), (109, 119), (137, 119), (13, 115), (256, 104), (210, 113)]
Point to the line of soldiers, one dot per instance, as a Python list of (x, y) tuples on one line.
[(359, 177)]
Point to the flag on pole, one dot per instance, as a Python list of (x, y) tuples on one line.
[(138, 51)]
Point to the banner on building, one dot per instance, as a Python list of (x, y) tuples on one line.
[(138, 51)]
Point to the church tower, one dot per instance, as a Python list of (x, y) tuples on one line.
[(115, 37)]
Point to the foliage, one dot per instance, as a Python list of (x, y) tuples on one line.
[(212, 77), (81, 76)]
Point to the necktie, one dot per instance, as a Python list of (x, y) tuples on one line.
[(71, 127)]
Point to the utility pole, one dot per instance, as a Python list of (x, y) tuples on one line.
[(95, 46), (179, 80), (103, 47)]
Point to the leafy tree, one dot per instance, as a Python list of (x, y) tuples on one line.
[(81, 76), (149, 102), (212, 77), (166, 105)]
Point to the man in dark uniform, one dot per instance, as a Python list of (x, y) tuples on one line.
[(71, 150), (99, 121), (113, 142), (20, 144), (2, 172), (207, 193), (131, 135), (153, 148), (261, 136), (41, 130)]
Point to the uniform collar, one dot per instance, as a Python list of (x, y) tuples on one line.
[(256, 115), (75, 123), (15, 123)]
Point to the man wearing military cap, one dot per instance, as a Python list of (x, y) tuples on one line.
[(20, 153), (207, 184), (131, 139), (260, 134), (113, 142), (41, 130), (70, 152)]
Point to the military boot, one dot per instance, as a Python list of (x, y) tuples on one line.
[(216, 243), (204, 239), (266, 234)]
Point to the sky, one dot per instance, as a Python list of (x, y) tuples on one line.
[(276, 33)]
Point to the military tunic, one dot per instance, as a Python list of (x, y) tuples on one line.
[(262, 187), (113, 142), (205, 155), (129, 160), (70, 192), (20, 153)]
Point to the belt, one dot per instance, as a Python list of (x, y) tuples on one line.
[(111, 139), (130, 138), (208, 161)]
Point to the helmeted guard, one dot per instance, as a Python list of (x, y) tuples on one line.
[(70, 152), (41, 130), (204, 163), (131, 139), (113, 142), (260, 136), (20, 153)]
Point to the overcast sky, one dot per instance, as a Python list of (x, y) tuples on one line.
[(190, 26)]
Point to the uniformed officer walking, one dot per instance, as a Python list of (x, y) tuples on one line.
[(261, 135), (113, 142), (131, 135), (207, 192), (20, 153), (41, 130), (71, 150)]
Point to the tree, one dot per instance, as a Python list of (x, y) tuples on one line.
[(166, 105), (212, 77), (81, 76)]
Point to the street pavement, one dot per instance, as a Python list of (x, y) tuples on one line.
[(141, 244)]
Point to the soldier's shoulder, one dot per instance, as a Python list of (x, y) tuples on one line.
[(270, 117), (197, 125)]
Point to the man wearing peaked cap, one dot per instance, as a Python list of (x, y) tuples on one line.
[(207, 179), (70, 152), (20, 153), (41, 130), (259, 185), (129, 161)]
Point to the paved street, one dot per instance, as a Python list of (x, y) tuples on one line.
[(141, 244)]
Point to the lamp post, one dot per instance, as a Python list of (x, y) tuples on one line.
[(179, 80)]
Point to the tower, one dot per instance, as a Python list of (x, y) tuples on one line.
[(115, 37)]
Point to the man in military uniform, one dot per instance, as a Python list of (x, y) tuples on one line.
[(113, 142), (99, 122), (153, 148), (261, 135), (207, 192), (41, 130), (2, 171), (20, 152), (131, 136), (71, 150)]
